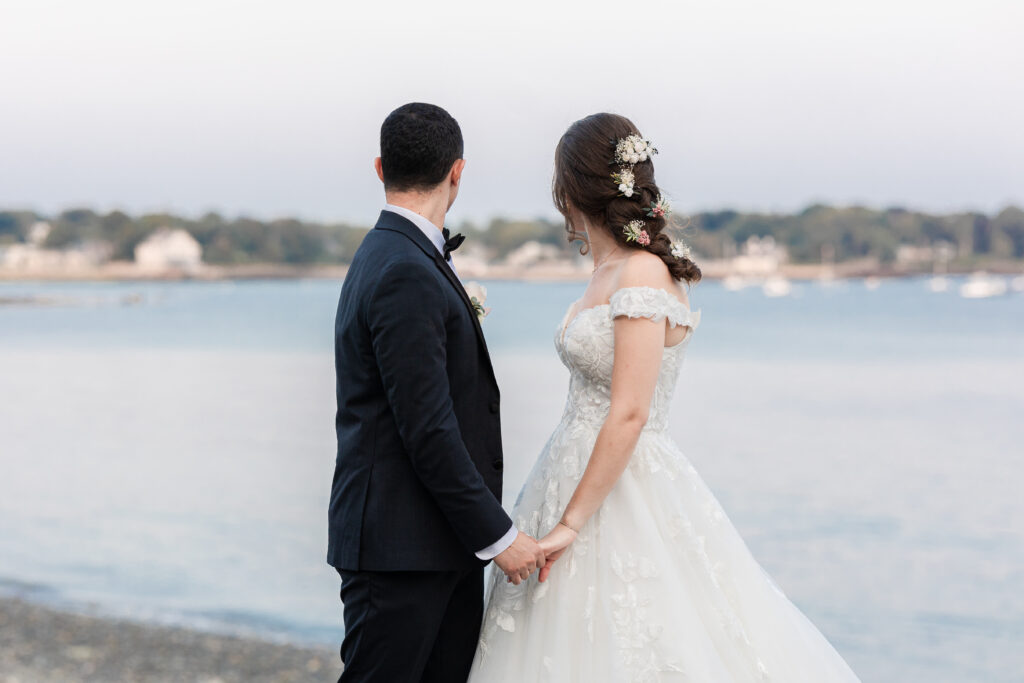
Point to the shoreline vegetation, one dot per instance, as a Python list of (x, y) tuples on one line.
[(820, 242), (40, 644)]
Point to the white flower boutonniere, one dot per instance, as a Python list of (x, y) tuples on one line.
[(478, 296)]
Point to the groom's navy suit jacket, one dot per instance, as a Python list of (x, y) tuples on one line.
[(417, 484)]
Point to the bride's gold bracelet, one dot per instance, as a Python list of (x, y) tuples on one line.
[(562, 522)]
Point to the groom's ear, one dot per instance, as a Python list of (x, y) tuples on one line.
[(455, 175), (380, 168)]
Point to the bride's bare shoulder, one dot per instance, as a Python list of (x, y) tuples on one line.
[(644, 269)]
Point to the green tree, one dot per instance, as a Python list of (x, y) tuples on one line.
[(14, 225), (74, 226), (1010, 221)]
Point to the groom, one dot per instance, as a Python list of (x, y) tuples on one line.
[(415, 509)]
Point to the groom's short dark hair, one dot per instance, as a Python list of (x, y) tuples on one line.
[(418, 145)]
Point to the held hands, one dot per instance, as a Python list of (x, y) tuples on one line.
[(520, 559), (526, 555), (554, 545)]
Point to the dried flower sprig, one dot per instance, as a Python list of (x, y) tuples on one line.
[(659, 208), (633, 149), (680, 250), (629, 151), (625, 180), (634, 232)]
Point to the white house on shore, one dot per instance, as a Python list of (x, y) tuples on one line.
[(531, 253), (760, 256), (168, 249), (32, 256)]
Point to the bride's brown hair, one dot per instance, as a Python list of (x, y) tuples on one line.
[(583, 178)]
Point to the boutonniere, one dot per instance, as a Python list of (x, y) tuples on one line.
[(478, 296)]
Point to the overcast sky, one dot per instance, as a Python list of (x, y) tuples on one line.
[(274, 109)]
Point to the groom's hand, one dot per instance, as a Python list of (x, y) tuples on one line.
[(520, 559)]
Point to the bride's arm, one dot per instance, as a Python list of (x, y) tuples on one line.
[(638, 349)]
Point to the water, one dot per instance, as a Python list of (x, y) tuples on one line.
[(171, 459)]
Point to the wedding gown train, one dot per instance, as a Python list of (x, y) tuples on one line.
[(658, 586)]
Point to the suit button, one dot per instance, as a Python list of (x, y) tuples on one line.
[(494, 407), (498, 465)]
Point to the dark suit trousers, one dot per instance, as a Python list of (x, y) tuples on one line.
[(410, 626)]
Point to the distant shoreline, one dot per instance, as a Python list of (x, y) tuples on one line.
[(40, 643), (558, 271)]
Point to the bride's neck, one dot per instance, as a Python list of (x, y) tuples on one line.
[(602, 245)]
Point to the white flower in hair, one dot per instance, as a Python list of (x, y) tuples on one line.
[(625, 180), (680, 250), (633, 149)]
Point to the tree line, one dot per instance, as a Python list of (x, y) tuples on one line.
[(817, 232)]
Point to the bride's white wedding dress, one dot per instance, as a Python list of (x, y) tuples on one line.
[(658, 586)]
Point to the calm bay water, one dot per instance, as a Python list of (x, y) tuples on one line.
[(170, 459)]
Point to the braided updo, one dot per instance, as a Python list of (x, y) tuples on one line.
[(583, 178)]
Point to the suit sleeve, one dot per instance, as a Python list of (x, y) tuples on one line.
[(406, 320)]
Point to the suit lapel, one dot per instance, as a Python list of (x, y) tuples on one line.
[(395, 223)]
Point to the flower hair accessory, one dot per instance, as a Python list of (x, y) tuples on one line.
[(629, 151), (625, 180), (680, 250), (660, 208), (632, 150), (634, 232)]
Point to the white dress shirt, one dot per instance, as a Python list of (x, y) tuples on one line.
[(436, 237), (432, 232)]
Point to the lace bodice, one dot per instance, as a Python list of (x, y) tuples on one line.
[(586, 345)]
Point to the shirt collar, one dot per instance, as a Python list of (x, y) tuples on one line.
[(432, 232)]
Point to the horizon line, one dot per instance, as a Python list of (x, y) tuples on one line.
[(554, 216)]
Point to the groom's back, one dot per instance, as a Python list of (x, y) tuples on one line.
[(359, 383), (382, 515), (417, 481), (355, 364)]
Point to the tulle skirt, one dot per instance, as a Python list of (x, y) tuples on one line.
[(658, 586)]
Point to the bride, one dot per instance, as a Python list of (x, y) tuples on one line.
[(646, 579)]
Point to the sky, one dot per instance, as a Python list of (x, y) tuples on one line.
[(273, 109)]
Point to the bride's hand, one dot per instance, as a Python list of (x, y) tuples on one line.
[(553, 545)]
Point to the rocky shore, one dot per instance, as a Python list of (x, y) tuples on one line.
[(41, 644)]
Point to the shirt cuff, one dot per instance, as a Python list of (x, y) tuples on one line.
[(500, 546)]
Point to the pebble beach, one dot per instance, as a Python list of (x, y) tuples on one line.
[(40, 644)]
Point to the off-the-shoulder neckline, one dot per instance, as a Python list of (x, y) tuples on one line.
[(572, 314), (656, 290)]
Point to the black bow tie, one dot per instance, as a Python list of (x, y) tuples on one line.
[(451, 242)]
